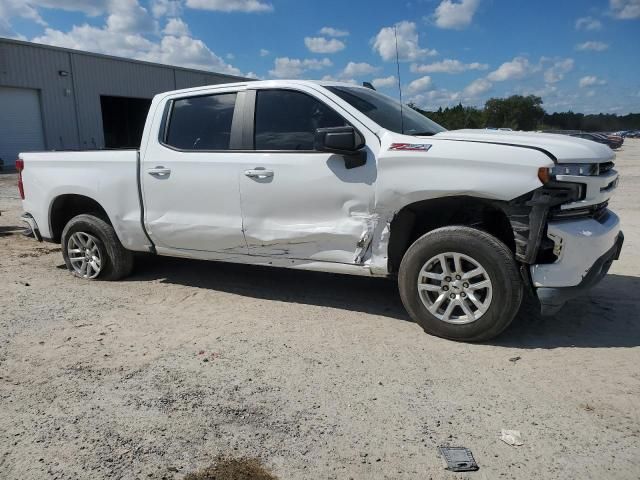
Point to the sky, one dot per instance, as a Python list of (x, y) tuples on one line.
[(580, 55)]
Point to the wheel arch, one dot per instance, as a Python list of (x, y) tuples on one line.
[(418, 218), (64, 207)]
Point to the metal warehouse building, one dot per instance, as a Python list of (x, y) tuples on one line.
[(59, 99)]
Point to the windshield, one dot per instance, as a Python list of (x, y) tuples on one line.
[(385, 111)]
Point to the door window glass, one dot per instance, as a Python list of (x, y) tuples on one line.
[(287, 120), (201, 123)]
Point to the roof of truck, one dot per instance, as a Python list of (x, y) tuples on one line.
[(268, 83)]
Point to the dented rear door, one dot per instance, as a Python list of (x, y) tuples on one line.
[(296, 202)]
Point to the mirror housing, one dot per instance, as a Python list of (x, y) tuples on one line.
[(345, 141)]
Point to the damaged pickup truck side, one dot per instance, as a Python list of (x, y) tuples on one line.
[(339, 178)]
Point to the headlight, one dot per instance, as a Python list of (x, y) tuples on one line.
[(576, 169)]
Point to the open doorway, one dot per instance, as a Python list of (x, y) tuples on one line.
[(123, 120)]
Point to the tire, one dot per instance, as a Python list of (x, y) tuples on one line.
[(500, 299), (89, 232)]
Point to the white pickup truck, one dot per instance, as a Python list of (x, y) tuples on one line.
[(339, 178)]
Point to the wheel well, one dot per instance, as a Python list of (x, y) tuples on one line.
[(65, 207), (418, 218)]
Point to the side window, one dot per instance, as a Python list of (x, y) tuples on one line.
[(287, 120), (201, 123)]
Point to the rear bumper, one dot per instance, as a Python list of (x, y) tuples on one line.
[(33, 226), (586, 250)]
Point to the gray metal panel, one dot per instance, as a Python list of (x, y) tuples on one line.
[(96, 76), (27, 66)]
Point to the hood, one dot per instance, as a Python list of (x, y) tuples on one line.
[(565, 149)]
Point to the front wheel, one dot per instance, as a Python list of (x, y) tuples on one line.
[(460, 283), (91, 249)]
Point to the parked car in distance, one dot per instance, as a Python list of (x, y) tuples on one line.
[(595, 137), (339, 178)]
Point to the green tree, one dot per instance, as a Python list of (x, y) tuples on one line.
[(516, 112)]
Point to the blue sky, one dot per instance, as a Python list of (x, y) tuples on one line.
[(575, 54)]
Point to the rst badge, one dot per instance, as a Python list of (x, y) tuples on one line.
[(410, 147)]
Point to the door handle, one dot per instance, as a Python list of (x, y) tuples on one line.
[(159, 172), (259, 173)]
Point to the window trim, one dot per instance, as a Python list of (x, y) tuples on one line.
[(163, 131), (250, 120)]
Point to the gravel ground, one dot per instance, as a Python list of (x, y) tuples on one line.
[(317, 375)]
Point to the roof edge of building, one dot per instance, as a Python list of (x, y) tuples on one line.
[(121, 59)]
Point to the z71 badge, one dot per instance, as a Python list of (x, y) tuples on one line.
[(410, 147)]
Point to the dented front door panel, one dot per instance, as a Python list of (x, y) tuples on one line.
[(307, 205)]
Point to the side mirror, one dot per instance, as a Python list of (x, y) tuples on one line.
[(344, 141)]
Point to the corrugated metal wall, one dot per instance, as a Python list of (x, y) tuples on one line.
[(71, 109)]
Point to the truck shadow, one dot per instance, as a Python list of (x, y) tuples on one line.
[(606, 317), (376, 296), (5, 231)]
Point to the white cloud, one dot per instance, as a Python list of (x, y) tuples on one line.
[(588, 23), (477, 87), (420, 85), (625, 9), (557, 71), (517, 68), (384, 82), (450, 14), (592, 46), (448, 66), (161, 8), (333, 32), (183, 51), (91, 8), (285, 67), (264, 52), (248, 6), (28, 9), (323, 45), (190, 53), (590, 81), (127, 16), (331, 78), (408, 43), (130, 30), (354, 69), (177, 28), (435, 98)]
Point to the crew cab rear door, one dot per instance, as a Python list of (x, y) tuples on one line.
[(297, 202), (189, 173)]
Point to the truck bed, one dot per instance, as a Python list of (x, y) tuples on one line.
[(109, 177)]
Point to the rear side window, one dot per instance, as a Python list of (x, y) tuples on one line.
[(201, 123), (287, 120)]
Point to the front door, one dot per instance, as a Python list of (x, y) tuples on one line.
[(297, 202), (190, 177)]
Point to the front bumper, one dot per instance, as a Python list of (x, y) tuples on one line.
[(585, 248)]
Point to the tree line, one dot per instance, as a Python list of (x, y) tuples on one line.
[(520, 112)]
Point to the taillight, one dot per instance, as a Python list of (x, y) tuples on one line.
[(20, 168)]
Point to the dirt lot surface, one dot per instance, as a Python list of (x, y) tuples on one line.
[(317, 375)]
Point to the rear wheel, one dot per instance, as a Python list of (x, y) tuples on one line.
[(91, 249), (460, 283)]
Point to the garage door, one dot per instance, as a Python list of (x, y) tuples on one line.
[(20, 123)]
